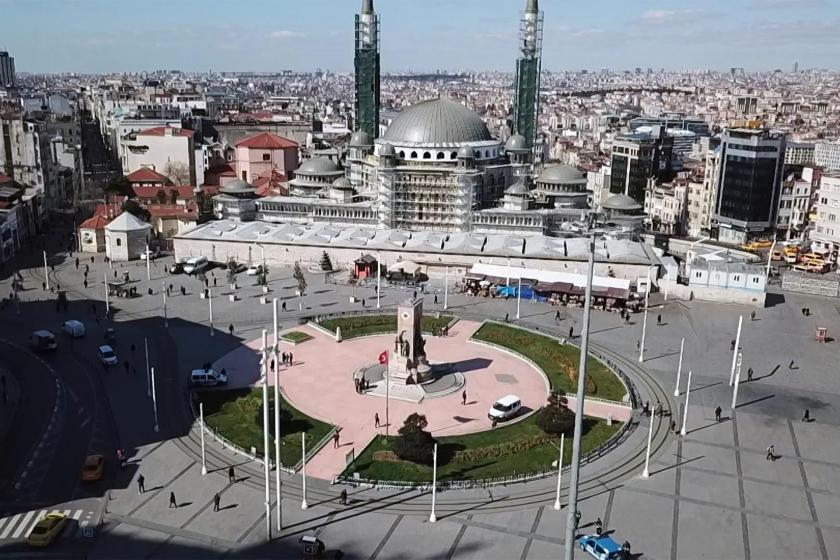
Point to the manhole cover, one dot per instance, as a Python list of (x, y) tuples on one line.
[(506, 378)]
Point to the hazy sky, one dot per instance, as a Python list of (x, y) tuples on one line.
[(265, 35)]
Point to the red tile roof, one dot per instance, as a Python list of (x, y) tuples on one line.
[(266, 141), (185, 192), (170, 211), (147, 175), (161, 131), (97, 222)]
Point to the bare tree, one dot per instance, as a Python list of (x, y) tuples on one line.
[(178, 173)]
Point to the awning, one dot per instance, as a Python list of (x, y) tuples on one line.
[(366, 259), (618, 293), (474, 277), (406, 267)]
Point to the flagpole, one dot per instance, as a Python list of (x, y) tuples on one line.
[(387, 392)]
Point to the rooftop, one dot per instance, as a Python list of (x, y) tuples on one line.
[(438, 121), (266, 141)]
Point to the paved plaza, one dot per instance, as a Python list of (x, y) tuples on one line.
[(711, 494)]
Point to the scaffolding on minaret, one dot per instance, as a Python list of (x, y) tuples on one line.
[(528, 69), (366, 65)]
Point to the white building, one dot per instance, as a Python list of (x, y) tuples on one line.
[(598, 184), (701, 197), (799, 153), (827, 155), (665, 206), (126, 238), (825, 233), (165, 149), (794, 202)]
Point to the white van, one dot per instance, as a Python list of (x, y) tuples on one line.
[(43, 340), (75, 329), (504, 408), (207, 378), (195, 265)]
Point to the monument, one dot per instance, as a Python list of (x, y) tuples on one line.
[(409, 364)]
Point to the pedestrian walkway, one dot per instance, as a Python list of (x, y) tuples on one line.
[(19, 525)]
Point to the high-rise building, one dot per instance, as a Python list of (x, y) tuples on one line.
[(749, 181), (367, 70), (637, 159), (827, 154), (7, 70), (528, 66)]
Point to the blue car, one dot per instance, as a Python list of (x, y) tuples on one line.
[(602, 548)]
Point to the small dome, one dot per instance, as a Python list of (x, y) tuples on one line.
[(360, 139), (386, 150), (318, 166), (516, 143), (518, 188), (621, 202), (342, 183), (238, 186), (466, 153), (561, 175)]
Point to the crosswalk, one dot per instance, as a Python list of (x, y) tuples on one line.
[(18, 526)]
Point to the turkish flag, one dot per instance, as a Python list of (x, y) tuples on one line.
[(383, 358)]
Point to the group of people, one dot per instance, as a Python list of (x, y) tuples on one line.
[(362, 384)]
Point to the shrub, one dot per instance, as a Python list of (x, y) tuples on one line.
[(556, 418), (414, 443)]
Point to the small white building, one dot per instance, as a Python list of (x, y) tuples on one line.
[(92, 234), (126, 237)]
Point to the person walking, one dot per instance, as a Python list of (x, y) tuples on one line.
[(216, 501), (342, 499), (577, 520), (749, 374), (732, 345), (659, 320), (771, 453), (230, 329), (141, 484), (436, 299), (291, 359), (599, 526), (507, 317), (807, 416), (752, 315), (571, 332), (231, 475), (638, 344), (336, 439), (284, 306), (464, 398), (717, 413), (183, 291), (172, 502), (375, 419), (125, 364), (673, 425)]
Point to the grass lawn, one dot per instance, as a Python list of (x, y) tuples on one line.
[(237, 415), (364, 325), (538, 457), (295, 336), (558, 361)]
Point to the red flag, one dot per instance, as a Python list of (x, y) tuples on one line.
[(383, 358)]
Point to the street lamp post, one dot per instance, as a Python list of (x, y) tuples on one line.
[(646, 472), (685, 408), (165, 316), (644, 321), (154, 401), (46, 272), (266, 452), (378, 280), (210, 304), (575, 465), (278, 483), (557, 505), (107, 303), (432, 517), (303, 504), (735, 350), (446, 289), (203, 457), (148, 265), (737, 382), (518, 296), (148, 373), (679, 368)]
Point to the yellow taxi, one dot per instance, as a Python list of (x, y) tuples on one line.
[(94, 465), (47, 529)]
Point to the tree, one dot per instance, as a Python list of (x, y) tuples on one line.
[(556, 418), (161, 196), (133, 207), (262, 276), (173, 196), (297, 274), (414, 443), (119, 185), (177, 172)]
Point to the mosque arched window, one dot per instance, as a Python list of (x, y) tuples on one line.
[(487, 153), (427, 155), (414, 155), (453, 155), (441, 155), (402, 154)]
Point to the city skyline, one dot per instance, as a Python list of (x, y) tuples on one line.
[(117, 37)]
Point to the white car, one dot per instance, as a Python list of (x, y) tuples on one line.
[(74, 328), (254, 269), (504, 408), (207, 378), (107, 356)]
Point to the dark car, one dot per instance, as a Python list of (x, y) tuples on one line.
[(176, 268)]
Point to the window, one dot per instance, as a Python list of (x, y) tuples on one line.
[(119, 242), (453, 155), (402, 154), (487, 153), (427, 155), (266, 157), (244, 175), (414, 155), (441, 155)]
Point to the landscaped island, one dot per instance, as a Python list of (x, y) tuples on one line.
[(362, 325)]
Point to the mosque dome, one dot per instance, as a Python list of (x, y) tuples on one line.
[(516, 143), (318, 166), (621, 203), (360, 139), (386, 150), (342, 183), (438, 122), (466, 153), (237, 187), (561, 175)]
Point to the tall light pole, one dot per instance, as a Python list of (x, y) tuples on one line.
[(107, 303), (446, 289), (303, 504), (685, 408), (679, 368), (203, 458), (210, 304), (770, 256), (165, 316), (378, 279), (148, 264), (154, 401), (432, 517), (646, 472), (148, 373), (278, 483), (557, 505), (581, 388), (737, 382), (518, 296), (735, 350), (267, 453), (46, 272), (644, 321)]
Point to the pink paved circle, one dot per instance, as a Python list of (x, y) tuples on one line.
[(320, 384)]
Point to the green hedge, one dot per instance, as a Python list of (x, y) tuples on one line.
[(363, 325)]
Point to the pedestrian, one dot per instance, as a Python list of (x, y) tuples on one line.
[(272, 364), (125, 364), (646, 408), (749, 374), (415, 294), (599, 526), (771, 453), (577, 520), (342, 499), (335, 440), (752, 315), (557, 315), (91, 260), (464, 398), (44, 286), (284, 306), (363, 303), (141, 484), (216, 501), (169, 289), (172, 502), (673, 425), (790, 366), (436, 299), (732, 345), (657, 409), (231, 475), (214, 281), (183, 291), (77, 263), (638, 344), (291, 359), (807, 416), (717, 414), (230, 329), (375, 419), (659, 319), (85, 283), (571, 332), (132, 348)]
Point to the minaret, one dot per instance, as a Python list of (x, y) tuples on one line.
[(367, 70), (528, 66)]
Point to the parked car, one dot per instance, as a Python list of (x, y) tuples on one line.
[(152, 254), (94, 465), (602, 547), (43, 341), (74, 328), (196, 265), (207, 378), (254, 269), (176, 268), (107, 356), (45, 531), (505, 408)]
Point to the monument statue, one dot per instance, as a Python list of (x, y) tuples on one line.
[(409, 347)]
